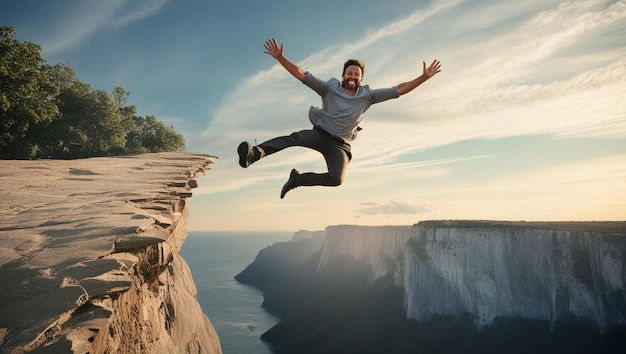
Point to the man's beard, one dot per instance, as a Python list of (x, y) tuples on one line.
[(345, 85)]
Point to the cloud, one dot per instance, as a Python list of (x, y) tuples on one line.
[(386, 163), (134, 11), (75, 23), (507, 72), (545, 68), (270, 103), (393, 208)]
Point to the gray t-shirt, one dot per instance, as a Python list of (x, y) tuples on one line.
[(341, 113)]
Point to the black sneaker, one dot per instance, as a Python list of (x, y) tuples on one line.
[(291, 183), (247, 154)]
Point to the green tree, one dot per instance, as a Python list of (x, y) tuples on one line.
[(46, 111), (151, 135), (26, 95), (90, 122), (120, 96)]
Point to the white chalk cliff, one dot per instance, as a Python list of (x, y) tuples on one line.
[(89, 256), (544, 271)]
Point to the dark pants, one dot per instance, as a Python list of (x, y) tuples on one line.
[(336, 153)]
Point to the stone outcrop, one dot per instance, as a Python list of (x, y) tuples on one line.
[(89, 256)]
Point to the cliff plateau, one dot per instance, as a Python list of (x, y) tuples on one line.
[(89, 256)]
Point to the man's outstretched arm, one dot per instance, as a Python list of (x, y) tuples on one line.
[(429, 72), (272, 48)]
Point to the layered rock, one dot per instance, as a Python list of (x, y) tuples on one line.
[(89, 256), (541, 271), (380, 247), (548, 271)]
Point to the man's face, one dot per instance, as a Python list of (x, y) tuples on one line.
[(351, 78)]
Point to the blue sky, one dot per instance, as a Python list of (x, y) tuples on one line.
[(526, 121)]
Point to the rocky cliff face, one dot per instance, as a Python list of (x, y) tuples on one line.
[(380, 247), (541, 271), (89, 256), (273, 263)]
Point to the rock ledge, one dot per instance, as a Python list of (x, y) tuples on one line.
[(89, 256)]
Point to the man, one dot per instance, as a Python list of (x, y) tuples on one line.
[(335, 125)]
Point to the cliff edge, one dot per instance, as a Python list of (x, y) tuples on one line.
[(89, 256)]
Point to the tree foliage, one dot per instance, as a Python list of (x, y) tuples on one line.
[(150, 135), (27, 95), (47, 112)]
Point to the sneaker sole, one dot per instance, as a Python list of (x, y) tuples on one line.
[(289, 185), (244, 150)]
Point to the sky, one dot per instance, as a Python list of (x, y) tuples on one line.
[(526, 120)]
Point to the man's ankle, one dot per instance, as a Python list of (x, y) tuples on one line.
[(260, 151)]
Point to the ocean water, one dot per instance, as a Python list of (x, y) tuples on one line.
[(234, 309)]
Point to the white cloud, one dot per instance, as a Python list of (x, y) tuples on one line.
[(77, 22), (393, 208), (386, 163), (134, 11), (524, 72)]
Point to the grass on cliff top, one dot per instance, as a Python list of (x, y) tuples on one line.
[(583, 226)]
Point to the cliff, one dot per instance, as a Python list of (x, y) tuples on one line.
[(542, 271), (275, 263), (381, 247), (452, 287), (89, 256)]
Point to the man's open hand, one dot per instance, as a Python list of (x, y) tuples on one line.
[(430, 71), (272, 48)]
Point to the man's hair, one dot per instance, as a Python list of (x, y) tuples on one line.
[(357, 62)]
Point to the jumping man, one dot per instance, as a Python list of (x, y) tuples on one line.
[(335, 125)]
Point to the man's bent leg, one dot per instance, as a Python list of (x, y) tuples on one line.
[(306, 138), (334, 153), (337, 163), (249, 154)]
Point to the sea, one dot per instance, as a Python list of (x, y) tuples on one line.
[(233, 308)]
